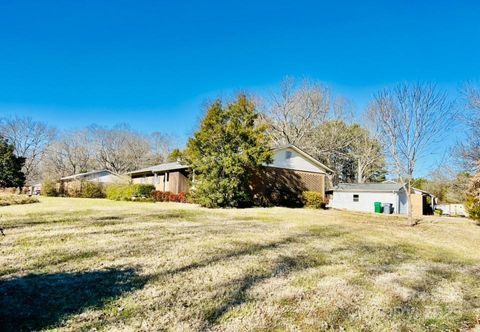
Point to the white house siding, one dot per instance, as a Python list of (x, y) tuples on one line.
[(344, 200), (106, 178), (295, 162)]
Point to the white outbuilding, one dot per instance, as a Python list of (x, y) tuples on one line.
[(362, 197)]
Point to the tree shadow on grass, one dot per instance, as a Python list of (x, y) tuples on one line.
[(39, 301), (239, 288), (319, 232)]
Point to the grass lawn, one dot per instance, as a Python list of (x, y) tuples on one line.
[(82, 264)]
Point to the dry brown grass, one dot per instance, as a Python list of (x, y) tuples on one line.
[(79, 264)]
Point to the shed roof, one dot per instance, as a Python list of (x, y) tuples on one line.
[(375, 187), (160, 168)]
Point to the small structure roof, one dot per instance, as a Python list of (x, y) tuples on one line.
[(376, 187), (80, 175), (160, 168)]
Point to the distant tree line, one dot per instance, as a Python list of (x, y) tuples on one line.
[(50, 153)]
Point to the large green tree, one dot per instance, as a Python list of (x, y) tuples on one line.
[(225, 153), (351, 150), (11, 174)]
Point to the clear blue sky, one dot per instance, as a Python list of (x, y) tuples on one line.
[(153, 63)]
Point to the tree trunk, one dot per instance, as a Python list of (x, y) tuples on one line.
[(409, 208), (359, 173)]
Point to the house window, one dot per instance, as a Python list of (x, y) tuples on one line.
[(168, 177), (288, 154), (356, 198)]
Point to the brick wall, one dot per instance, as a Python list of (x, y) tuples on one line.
[(280, 186)]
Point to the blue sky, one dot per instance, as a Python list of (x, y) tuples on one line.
[(152, 64)]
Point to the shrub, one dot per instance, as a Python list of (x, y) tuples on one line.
[(166, 196), (313, 199), (473, 198), (92, 190), (129, 192), (438, 212), (49, 188), (12, 199), (473, 207), (160, 196)]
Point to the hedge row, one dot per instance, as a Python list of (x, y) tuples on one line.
[(79, 189), (129, 192), (162, 196)]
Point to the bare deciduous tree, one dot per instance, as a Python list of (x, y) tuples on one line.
[(410, 117), (160, 147), (71, 153), (120, 149), (470, 149), (296, 110), (351, 150), (30, 139)]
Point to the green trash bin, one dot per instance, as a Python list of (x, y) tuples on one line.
[(378, 207)]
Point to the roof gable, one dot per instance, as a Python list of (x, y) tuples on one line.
[(297, 160)]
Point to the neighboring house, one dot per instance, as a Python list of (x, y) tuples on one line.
[(172, 177), (35, 189), (101, 176), (362, 197), (73, 183), (291, 167)]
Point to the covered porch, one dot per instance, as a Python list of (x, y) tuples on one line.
[(171, 177)]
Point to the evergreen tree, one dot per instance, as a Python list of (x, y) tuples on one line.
[(175, 155), (225, 152), (11, 174)]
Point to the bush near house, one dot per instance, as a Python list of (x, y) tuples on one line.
[(166, 196), (84, 189), (313, 199), (49, 188), (92, 190), (129, 192)]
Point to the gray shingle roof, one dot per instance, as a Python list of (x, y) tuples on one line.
[(79, 175), (368, 187), (160, 168)]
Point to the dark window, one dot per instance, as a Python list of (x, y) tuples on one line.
[(356, 198), (288, 155), (168, 177)]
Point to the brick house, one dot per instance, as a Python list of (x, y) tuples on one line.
[(291, 171)]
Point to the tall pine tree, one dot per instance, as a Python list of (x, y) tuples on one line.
[(225, 152), (11, 174)]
